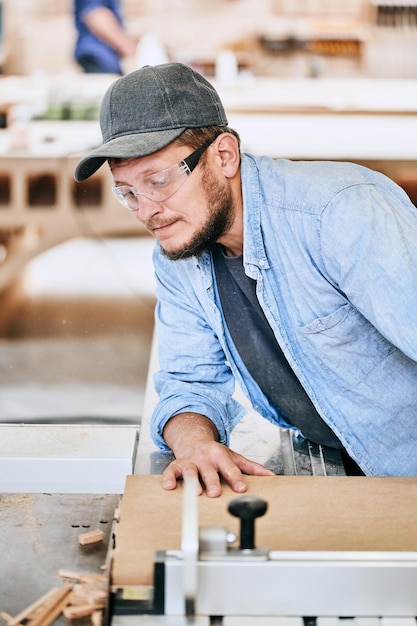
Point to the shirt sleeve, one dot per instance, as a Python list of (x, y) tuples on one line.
[(194, 374), (86, 6)]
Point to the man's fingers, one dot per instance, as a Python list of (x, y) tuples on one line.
[(211, 464), (233, 476), (211, 481), (170, 477), (251, 467), (238, 465), (175, 471)]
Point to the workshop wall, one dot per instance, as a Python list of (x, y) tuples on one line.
[(269, 37)]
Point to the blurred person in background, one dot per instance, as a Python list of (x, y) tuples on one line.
[(102, 41)]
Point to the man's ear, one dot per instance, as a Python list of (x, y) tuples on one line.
[(227, 147)]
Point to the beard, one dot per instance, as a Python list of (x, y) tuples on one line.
[(218, 220)]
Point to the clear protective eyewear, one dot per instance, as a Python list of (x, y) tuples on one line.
[(161, 185)]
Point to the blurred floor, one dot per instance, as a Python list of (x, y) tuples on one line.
[(76, 347)]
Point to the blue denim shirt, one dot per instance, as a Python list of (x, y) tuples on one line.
[(333, 248)]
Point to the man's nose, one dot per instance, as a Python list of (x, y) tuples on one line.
[(146, 209)]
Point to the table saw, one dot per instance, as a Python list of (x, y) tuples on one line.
[(293, 550), (329, 549)]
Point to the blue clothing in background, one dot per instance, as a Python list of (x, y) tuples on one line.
[(93, 54)]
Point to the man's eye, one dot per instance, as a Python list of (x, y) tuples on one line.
[(161, 179), (128, 194)]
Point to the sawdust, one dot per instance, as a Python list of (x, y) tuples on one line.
[(16, 499), (7, 508)]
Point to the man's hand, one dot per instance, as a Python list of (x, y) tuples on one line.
[(193, 440)]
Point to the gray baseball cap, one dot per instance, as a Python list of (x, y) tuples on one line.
[(147, 109)]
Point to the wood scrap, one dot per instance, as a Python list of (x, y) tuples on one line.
[(117, 514), (81, 595), (44, 610), (95, 592), (97, 618), (88, 596), (80, 577), (93, 536), (53, 609), (75, 612)]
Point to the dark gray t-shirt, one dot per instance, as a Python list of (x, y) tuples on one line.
[(260, 351)]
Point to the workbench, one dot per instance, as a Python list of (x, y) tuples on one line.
[(39, 531), (39, 526), (39, 536), (56, 483)]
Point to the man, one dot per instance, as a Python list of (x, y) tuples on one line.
[(102, 40), (298, 280)]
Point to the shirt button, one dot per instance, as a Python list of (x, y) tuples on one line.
[(261, 262)]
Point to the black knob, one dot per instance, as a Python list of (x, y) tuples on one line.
[(247, 508)]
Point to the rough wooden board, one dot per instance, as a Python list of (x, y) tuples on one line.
[(304, 513)]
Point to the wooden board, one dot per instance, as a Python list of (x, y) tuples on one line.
[(304, 513)]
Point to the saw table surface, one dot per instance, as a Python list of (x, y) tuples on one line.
[(39, 536)]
